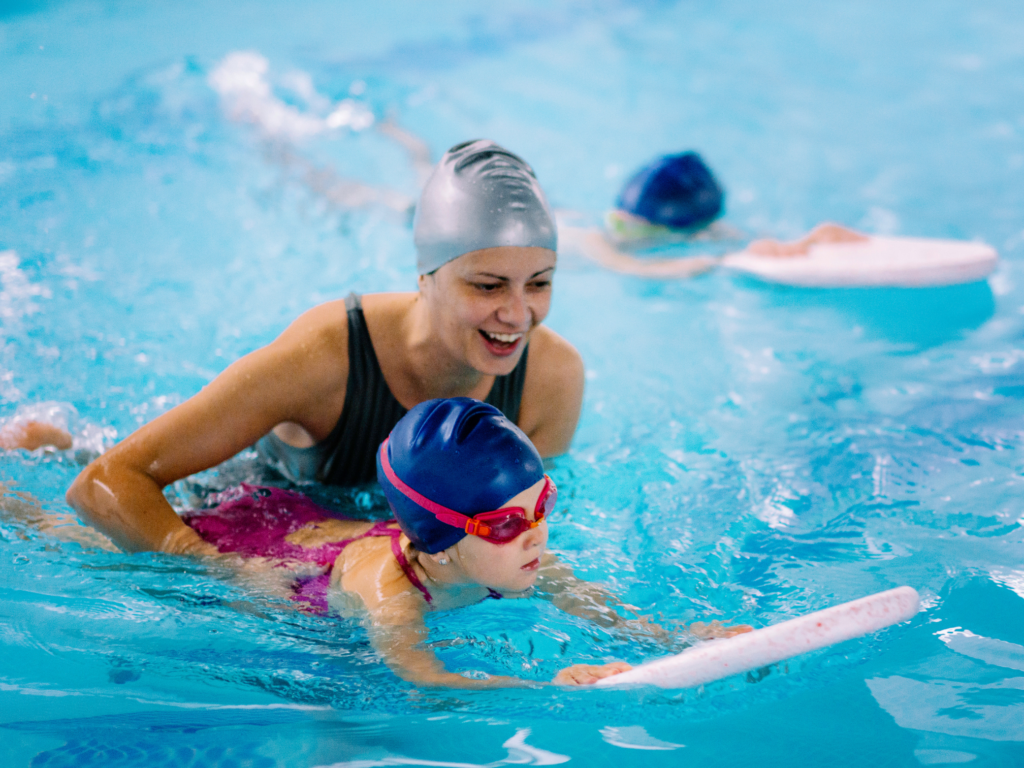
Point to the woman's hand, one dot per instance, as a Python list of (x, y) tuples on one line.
[(185, 541), (716, 630), (30, 435), (588, 674)]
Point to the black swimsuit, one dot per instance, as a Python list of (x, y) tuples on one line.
[(348, 455)]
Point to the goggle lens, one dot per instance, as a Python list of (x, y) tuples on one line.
[(505, 529), (506, 524), (548, 499)]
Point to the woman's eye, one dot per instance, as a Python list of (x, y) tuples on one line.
[(540, 285), (488, 287)]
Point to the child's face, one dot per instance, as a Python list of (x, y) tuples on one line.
[(511, 566)]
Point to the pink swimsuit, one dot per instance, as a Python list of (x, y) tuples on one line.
[(254, 521)]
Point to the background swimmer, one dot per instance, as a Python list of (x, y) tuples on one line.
[(677, 199)]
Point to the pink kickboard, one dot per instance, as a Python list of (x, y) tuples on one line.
[(907, 262), (715, 659)]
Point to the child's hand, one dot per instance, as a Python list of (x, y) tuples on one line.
[(588, 674), (717, 629)]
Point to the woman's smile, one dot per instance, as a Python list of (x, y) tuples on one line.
[(501, 344)]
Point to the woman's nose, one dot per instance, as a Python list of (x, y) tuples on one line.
[(514, 310)]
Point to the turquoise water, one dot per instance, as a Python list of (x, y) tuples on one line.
[(746, 452)]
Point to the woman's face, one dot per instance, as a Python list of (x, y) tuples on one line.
[(485, 304), (511, 566)]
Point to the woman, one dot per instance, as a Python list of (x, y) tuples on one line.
[(322, 397)]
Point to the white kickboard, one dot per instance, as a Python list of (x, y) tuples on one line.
[(715, 659), (904, 262)]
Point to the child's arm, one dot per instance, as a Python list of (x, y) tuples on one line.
[(823, 233), (398, 632), (593, 244), (589, 600), (397, 629)]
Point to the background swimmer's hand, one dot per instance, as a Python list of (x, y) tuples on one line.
[(823, 233), (717, 629), (30, 435), (588, 674)]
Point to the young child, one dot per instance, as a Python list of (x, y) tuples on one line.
[(470, 498)]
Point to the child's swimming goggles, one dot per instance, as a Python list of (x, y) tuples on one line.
[(499, 526)]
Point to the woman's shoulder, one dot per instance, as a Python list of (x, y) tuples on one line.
[(325, 327), (548, 348), (554, 372), (552, 392), (327, 322), (387, 308)]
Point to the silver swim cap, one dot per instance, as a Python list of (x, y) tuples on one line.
[(480, 196)]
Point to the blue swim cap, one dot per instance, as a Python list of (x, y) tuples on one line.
[(677, 191), (460, 453)]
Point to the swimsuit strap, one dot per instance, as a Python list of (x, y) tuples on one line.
[(313, 589), (383, 528)]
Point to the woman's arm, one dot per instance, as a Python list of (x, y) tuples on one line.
[(298, 378), (25, 509), (30, 435)]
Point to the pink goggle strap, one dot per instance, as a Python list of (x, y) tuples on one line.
[(445, 515)]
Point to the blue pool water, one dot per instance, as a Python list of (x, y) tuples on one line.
[(746, 452)]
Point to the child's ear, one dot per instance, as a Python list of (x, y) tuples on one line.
[(440, 558)]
